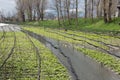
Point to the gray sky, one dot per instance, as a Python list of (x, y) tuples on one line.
[(7, 5)]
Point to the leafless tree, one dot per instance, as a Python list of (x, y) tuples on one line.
[(2, 16), (42, 8), (118, 6), (92, 14), (57, 8), (38, 7), (98, 7), (105, 10), (67, 8), (29, 8), (76, 12), (85, 8), (21, 9), (109, 11)]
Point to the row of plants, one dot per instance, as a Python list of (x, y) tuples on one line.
[(5, 46), (2, 36), (91, 36), (65, 37), (103, 38), (105, 59), (1, 33), (50, 66), (82, 42), (23, 63), (43, 32), (82, 39)]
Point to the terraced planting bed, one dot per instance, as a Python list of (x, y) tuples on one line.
[(102, 45), (37, 53), (25, 58), (6, 46)]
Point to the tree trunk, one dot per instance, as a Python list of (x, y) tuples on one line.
[(118, 8), (42, 15), (119, 12), (85, 8), (61, 11), (38, 11), (22, 16), (105, 11), (109, 11), (97, 7), (34, 15), (76, 12), (68, 8), (92, 10), (58, 14)]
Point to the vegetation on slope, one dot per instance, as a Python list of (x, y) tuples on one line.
[(84, 25), (105, 59)]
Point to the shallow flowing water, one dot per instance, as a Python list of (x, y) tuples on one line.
[(80, 66)]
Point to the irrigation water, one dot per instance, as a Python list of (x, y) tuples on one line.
[(80, 66)]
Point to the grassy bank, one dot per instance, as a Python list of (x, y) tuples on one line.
[(97, 25)]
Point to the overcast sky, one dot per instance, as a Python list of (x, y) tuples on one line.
[(7, 5)]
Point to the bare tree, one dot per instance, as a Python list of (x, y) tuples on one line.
[(118, 6), (89, 8), (76, 12), (29, 9), (38, 7), (58, 11), (21, 9), (92, 14), (109, 11), (2, 16), (42, 8), (85, 8), (67, 6), (98, 8), (34, 10), (105, 10)]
